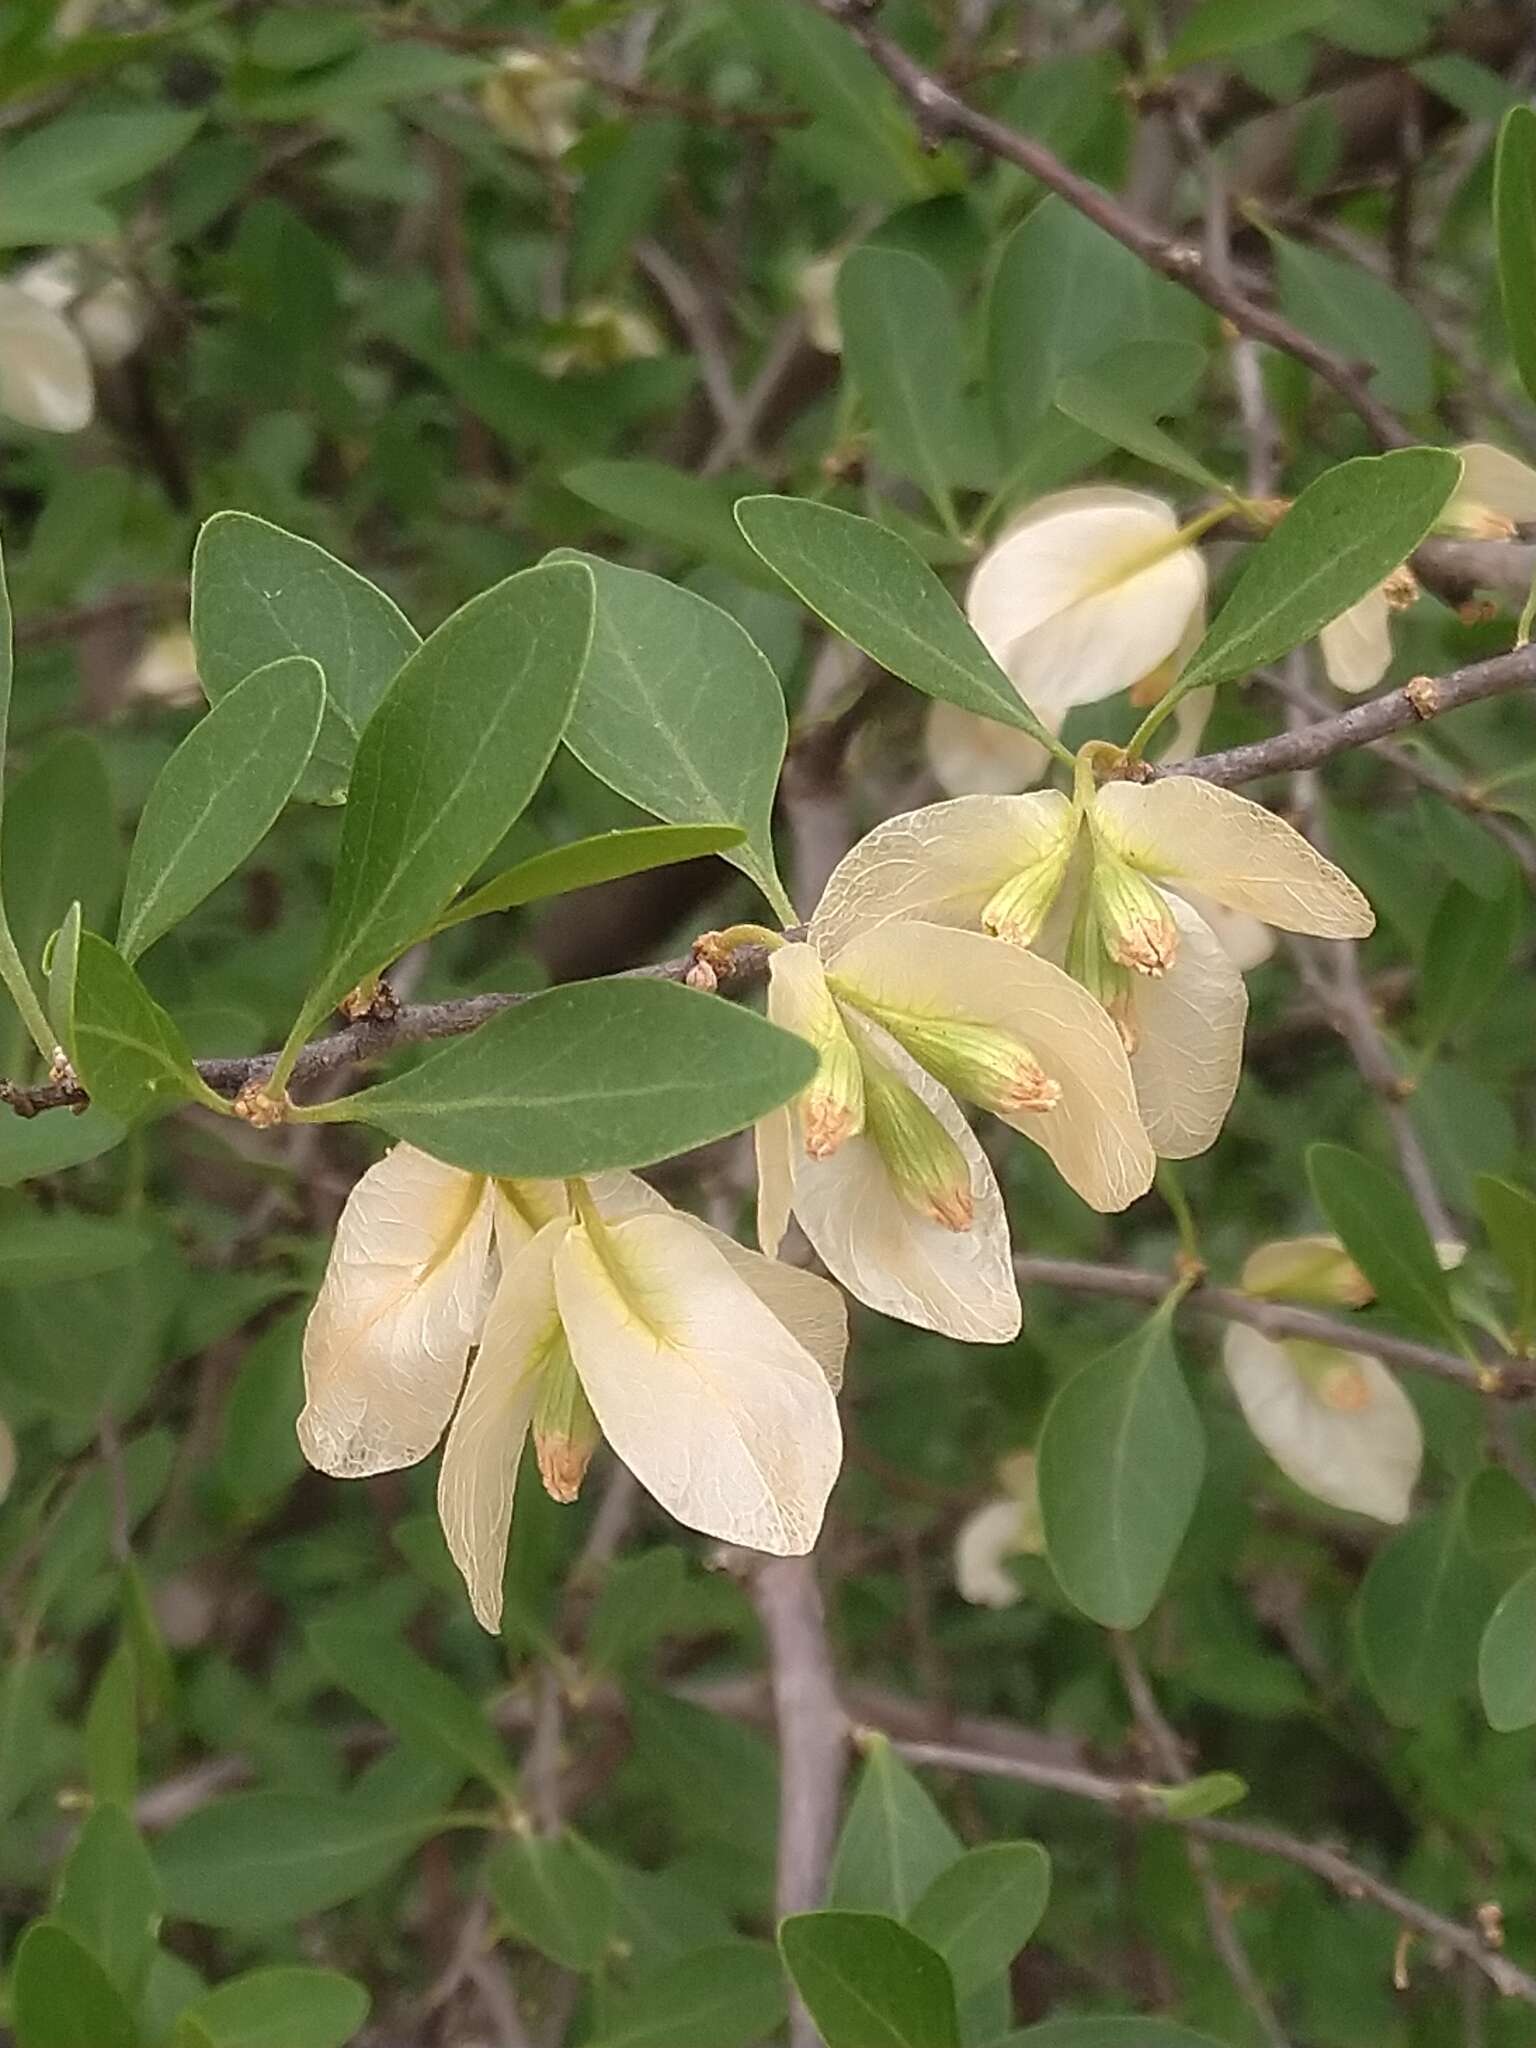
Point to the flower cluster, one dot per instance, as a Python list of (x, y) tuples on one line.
[(1046, 958)]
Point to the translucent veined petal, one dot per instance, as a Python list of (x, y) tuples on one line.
[(1188, 1031), (773, 1140), (1342, 1429), (1184, 829), (45, 373), (972, 755), (889, 1256), (1357, 646), (1247, 941), (478, 1479), (1094, 1134), (942, 864), (716, 1409), (1496, 481), (403, 1299)]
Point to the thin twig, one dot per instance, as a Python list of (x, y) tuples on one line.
[(1513, 1378), (1138, 1802), (1167, 1753)]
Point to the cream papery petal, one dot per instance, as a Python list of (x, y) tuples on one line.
[(1497, 481), (1357, 646), (811, 1309), (1367, 1460), (404, 1296), (984, 1542), (972, 755), (478, 1478), (1189, 1040), (523, 1207), (1063, 607), (1094, 1135), (939, 865), (959, 1282), (1247, 941), (45, 374), (1183, 829), (773, 1141), (699, 1388)]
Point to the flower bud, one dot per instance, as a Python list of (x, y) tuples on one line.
[(1018, 910), (528, 101), (1309, 1269), (926, 1166), (565, 1431), (832, 1107), (1135, 924), (977, 1062), (1106, 980)]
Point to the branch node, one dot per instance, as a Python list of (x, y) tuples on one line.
[(1423, 696), (372, 1002), (1490, 1923), (253, 1105)]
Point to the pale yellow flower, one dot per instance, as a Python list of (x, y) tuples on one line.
[(530, 100), (1090, 592), (875, 1160), (1099, 888), (709, 1369), (1005, 1527), (45, 373)]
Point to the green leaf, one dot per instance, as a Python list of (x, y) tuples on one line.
[(63, 970), (875, 589), (61, 1997), (112, 1731), (1215, 28), (260, 595), (869, 1982), (39, 1145), (109, 1898), (1466, 954), (51, 1250), (283, 2006), (1348, 530), (680, 711), (1064, 295), (902, 342), (421, 1705), (1506, 1659), (635, 1606), (218, 795), (446, 764), (267, 1859), (980, 1912), (1361, 317), (1381, 1229), (1211, 1792), (380, 75), (692, 513), (1111, 404), (1509, 1218), (894, 1843), (553, 1899), (593, 1075), (1121, 1454), (52, 178), (1420, 1614), (727, 1996), (605, 857), (860, 138), (1514, 220), (130, 1057)]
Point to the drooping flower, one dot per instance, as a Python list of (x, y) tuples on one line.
[(530, 100), (1357, 646), (1334, 1420), (598, 1311), (599, 335), (1092, 591), (1097, 884), (45, 373), (876, 1161), (1007, 1526)]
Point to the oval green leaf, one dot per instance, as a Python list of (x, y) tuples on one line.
[(594, 1075), (903, 343), (1352, 527), (980, 1912), (869, 1982), (1122, 1455), (422, 1705), (1383, 1232), (260, 594), (877, 591), (216, 798), (1420, 1615), (1514, 219), (286, 2005), (61, 1997), (131, 1058), (267, 1859), (1506, 1659), (894, 1842), (447, 763)]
